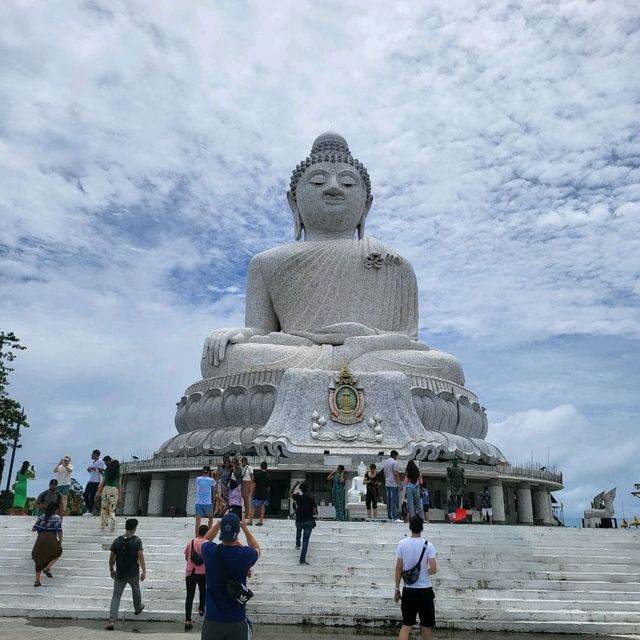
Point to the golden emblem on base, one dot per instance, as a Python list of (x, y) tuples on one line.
[(346, 399)]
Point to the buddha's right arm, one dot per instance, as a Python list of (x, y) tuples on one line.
[(215, 346), (260, 319)]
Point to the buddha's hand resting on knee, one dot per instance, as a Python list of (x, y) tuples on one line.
[(215, 346)]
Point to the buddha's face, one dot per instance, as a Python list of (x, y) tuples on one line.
[(331, 198)]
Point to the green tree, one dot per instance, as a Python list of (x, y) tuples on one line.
[(10, 410)]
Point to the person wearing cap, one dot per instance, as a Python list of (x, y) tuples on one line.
[(204, 497), (63, 471), (126, 567), (224, 619)]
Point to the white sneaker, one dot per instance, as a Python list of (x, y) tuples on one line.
[(398, 520)]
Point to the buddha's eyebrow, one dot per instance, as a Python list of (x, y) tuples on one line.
[(348, 173), (315, 172)]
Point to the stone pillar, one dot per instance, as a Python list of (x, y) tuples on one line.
[(131, 492), (525, 506), (156, 494), (191, 493), (542, 506), (497, 501)]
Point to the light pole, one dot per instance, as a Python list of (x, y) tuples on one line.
[(14, 446)]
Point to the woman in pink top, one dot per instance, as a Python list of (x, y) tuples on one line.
[(195, 576)]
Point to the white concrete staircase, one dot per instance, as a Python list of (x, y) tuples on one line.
[(541, 579)]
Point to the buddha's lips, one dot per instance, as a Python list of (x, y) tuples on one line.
[(333, 199)]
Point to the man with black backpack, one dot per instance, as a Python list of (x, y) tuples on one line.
[(415, 564), (127, 567), (227, 566)]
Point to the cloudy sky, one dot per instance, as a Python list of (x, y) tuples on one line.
[(146, 152)]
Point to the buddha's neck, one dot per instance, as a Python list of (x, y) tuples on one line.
[(316, 235)]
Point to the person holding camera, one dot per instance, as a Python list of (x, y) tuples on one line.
[(227, 566), (415, 564), (26, 473), (306, 511), (63, 471)]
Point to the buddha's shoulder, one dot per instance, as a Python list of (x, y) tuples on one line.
[(362, 247)]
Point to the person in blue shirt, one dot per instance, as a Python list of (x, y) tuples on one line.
[(224, 619), (204, 497)]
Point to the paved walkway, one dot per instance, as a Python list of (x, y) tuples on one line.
[(37, 628)]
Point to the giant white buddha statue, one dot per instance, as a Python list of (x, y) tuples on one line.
[(333, 298)]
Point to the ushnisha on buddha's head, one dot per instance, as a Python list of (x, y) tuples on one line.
[(330, 192)]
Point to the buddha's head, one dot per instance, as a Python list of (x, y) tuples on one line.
[(330, 192)]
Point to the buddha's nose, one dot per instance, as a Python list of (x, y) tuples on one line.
[(333, 190)]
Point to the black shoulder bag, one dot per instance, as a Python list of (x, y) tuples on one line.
[(195, 557), (411, 575), (238, 592)]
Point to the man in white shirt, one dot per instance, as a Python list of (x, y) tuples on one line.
[(417, 598), (392, 482), (63, 471), (95, 470)]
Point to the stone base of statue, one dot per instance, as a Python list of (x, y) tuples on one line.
[(291, 414)]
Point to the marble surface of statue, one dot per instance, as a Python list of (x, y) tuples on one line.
[(602, 505), (333, 298), (358, 487)]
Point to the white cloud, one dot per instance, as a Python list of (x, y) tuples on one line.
[(592, 454)]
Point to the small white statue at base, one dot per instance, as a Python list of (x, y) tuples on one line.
[(358, 488)]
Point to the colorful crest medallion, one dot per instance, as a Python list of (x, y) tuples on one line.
[(346, 399)]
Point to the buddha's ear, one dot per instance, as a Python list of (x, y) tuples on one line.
[(297, 219), (363, 219)]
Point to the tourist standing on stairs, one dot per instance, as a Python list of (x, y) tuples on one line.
[(95, 469), (417, 596), (247, 483), (371, 497), (63, 471), (485, 505), (26, 473), (127, 567), (110, 494), (205, 487), (412, 482), (306, 511), (195, 575), (48, 496), (227, 566), (392, 482), (222, 476), (260, 493), (48, 546), (337, 492), (235, 489)]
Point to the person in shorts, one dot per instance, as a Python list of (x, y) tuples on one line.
[(371, 497), (204, 497), (417, 599), (260, 493), (63, 471), (485, 505)]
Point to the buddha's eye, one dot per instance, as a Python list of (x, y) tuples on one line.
[(318, 178), (348, 181)]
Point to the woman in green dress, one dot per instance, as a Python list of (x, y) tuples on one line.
[(25, 474), (337, 492)]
